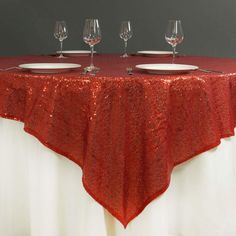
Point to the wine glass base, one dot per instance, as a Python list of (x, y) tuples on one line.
[(92, 68), (61, 56), (124, 55)]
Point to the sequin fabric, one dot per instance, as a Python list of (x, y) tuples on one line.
[(127, 132)]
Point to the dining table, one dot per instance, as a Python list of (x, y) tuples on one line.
[(120, 152)]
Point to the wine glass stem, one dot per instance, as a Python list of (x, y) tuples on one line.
[(125, 53), (91, 62), (61, 46), (173, 58)]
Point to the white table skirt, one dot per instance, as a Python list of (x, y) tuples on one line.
[(41, 194)]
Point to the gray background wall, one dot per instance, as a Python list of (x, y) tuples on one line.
[(26, 26)]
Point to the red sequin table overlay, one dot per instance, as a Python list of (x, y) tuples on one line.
[(126, 132)]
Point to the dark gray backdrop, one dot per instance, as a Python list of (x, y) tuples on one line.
[(26, 26)]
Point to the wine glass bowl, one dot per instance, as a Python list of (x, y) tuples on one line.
[(126, 33), (92, 35), (60, 33), (174, 35), (92, 41)]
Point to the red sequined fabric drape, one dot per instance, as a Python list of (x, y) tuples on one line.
[(126, 132)]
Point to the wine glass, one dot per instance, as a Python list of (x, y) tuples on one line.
[(92, 35), (174, 35), (125, 34), (60, 33)]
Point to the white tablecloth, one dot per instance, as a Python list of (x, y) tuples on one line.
[(41, 194)]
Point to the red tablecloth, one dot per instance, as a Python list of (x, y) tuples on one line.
[(127, 132)]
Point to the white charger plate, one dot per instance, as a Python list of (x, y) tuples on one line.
[(49, 67), (75, 53), (156, 53), (167, 68)]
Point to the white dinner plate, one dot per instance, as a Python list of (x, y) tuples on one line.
[(49, 67), (75, 53), (155, 53), (167, 68)]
